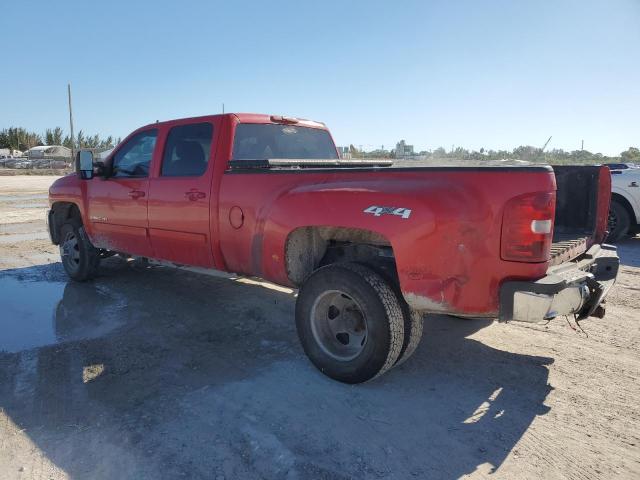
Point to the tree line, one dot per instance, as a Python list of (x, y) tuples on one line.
[(525, 153), (18, 138)]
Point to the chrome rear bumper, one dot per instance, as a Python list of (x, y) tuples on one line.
[(572, 288)]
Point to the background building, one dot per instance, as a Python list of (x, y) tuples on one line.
[(343, 152), (403, 150), (49, 151), (9, 153)]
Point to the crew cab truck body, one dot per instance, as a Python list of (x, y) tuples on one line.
[(371, 247)]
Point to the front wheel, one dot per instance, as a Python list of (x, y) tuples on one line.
[(350, 322), (80, 258)]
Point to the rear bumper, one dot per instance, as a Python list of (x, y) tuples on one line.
[(572, 288)]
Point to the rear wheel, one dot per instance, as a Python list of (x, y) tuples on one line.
[(413, 321), (619, 221), (80, 258), (350, 322), (413, 327)]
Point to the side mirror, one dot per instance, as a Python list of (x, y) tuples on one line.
[(85, 164)]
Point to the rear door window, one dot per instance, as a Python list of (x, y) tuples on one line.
[(187, 149)]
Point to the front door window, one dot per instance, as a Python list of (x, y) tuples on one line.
[(134, 157)]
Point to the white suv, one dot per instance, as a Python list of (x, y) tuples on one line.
[(624, 214)]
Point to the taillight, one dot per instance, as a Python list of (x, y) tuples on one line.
[(527, 227)]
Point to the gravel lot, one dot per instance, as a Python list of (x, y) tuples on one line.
[(148, 372)]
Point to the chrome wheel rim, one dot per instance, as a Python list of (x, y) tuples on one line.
[(70, 252), (339, 325)]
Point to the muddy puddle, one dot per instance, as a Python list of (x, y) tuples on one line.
[(36, 313)]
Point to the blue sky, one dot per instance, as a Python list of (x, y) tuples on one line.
[(493, 74)]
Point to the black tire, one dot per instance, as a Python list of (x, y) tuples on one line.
[(413, 321), (363, 306), (413, 328), (619, 221), (80, 258)]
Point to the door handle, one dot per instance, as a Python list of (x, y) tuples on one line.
[(194, 195), (135, 194)]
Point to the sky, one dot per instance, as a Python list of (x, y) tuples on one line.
[(492, 74)]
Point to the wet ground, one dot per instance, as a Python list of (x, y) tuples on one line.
[(148, 372)]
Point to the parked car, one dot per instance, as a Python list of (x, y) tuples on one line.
[(371, 247), (22, 163), (49, 163), (624, 215), (621, 166)]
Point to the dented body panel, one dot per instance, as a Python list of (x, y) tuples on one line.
[(442, 225), (447, 252)]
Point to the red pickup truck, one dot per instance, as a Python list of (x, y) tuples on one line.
[(372, 247)]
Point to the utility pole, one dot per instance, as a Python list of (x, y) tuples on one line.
[(582, 146), (71, 124), (223, 107)]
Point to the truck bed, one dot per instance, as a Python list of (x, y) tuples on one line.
[(576, 198)]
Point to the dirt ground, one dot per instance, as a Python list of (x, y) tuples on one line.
[(149, 372)]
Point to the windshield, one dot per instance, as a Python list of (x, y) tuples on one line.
[(270, 141)]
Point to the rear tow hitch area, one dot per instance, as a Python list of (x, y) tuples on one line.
[(574, 288), (599, 312)]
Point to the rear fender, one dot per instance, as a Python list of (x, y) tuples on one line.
[(415, 218)]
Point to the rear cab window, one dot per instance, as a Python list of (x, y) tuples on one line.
[(187, 150), (263, 141)]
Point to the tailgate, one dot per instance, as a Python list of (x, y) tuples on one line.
[(582, 204)]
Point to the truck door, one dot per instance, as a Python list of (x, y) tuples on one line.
[(117, 206), (179, 194)]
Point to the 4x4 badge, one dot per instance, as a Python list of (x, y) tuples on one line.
[(378, 211)]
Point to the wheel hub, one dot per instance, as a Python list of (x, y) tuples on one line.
[(70, 252), (339, 325)]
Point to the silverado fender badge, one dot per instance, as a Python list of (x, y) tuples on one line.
[(378, 211)]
